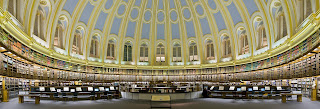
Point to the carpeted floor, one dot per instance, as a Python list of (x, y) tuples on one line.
[(201, 103)]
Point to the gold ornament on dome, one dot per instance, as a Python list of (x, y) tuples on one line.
[(259, 19), (43, 2), (277, 4), (241, 28), (61, 18)]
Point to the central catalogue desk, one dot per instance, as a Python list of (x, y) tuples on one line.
[(148, 96)]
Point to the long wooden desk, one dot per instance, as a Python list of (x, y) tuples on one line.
[(284, 97), (224, 93), (37, 98), (51, 94), (160, 98)]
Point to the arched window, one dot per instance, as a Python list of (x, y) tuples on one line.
[(244, 46), (226, 47), (160, 55), (193, 52), (144, 53), (110, 50), (176, 53), (58, 37), (280, 25), (15, 8), (304, 8), (261, 36), (210, 50), (127, 52), (76, 46), (39, 25), (94, 48)]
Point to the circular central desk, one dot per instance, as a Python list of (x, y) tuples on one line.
[(147, 96)]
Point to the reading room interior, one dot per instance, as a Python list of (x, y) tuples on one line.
[(148, 54)]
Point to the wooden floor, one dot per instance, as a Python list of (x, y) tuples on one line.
[(202, 103)]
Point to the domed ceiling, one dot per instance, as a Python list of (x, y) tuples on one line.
[(164, 32)]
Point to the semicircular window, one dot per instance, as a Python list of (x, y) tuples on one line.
[(121, 9), (186, 13), (173, 15), (160, 16), (134, 13), (147, 15)]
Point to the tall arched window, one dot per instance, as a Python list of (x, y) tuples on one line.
[(15, 8), (193, 52), (244, 46), (261, 36), (226, 47), (94, 48), (39, 25), (176, 53), (144, 53), (210, 50), (110, 50), (76, 46), (304, 8), (127, 52), (280, 25), (160, 55), (58, 37)]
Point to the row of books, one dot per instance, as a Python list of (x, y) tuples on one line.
[(41, 59), (306, 67)]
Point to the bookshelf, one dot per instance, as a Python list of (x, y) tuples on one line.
[(318, 88), (1, 79), (23, 62)]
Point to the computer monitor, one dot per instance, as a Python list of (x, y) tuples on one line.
[(221, 87), (211, 87), (78, 89), (279, 88), (231, 87), (101, 88), (107, 89), (66, 89), (267, 87), (243, 88), (262, 89), (250, 89), (59, 90), (255, 88), (96, 90), (238, 89), (42, 89), (90, 89), (111, 88), (52, 89), (72, 90)]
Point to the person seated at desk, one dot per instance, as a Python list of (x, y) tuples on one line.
[(205, 93)]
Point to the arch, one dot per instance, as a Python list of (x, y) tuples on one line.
[(111, 49), (226, 46), (304, 9), (144, 52), (127, 51), (176, 53), (193, 51), (260, 34), (209, 49), (160, 53), (77, 41), (59, 35), (243, 41), (280, 24), (94, 48), (16, 7), (40, 24)]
